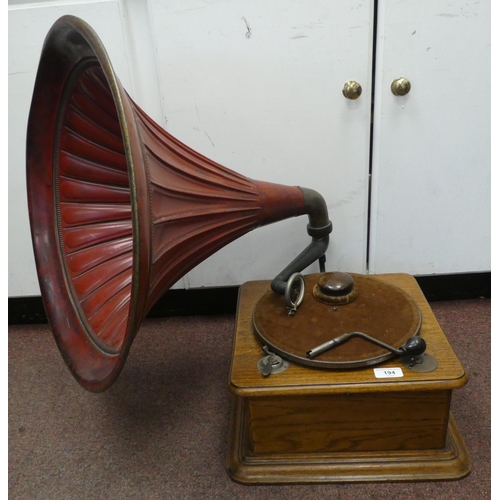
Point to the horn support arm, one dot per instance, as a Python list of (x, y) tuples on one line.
[(319, 228)]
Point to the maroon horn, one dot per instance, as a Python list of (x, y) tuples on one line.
[(119, 209)]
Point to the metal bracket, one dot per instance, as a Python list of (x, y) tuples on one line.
[(421, 363)]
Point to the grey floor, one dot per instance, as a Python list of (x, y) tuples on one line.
[(161, 430)]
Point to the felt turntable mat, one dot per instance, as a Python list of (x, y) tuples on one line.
[(380, 310)]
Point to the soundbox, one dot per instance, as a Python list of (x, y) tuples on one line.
[(120, 210)]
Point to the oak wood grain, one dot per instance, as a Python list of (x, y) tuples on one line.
[(308, 425), (451, 462), (354, 422), (246, 379)]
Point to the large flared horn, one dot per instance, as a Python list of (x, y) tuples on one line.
[(120, 210)]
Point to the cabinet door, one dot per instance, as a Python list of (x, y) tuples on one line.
[(28, 26), (257, 87), (430, 209), (254, 85)]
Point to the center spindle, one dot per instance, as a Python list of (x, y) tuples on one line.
[(335, 288)]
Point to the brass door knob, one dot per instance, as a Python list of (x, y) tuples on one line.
[(400, 86), (352, 90)]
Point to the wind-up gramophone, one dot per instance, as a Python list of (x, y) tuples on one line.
[(120, 210)]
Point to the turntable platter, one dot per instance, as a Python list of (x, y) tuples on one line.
[(380, 310)]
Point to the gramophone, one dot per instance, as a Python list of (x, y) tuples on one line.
[(120, 210)]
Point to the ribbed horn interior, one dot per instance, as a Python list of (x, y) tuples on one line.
[(92, 199)]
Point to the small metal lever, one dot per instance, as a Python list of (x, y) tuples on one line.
[(271, 363)]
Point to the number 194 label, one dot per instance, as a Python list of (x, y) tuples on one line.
[(388, 372)]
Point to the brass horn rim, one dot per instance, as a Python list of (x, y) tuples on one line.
[(74, 338)]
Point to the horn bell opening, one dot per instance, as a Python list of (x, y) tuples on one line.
[(119, 209), (88, 239)]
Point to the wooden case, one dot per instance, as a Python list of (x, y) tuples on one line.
[(309, 425)]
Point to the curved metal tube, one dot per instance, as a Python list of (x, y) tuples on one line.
[(319, 228), (317, 211), (312, 252)]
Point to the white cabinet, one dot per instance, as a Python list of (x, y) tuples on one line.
[(431, 160), (257, 86)]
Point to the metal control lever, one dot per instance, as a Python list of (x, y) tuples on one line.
[(413, 347), (271, 363)]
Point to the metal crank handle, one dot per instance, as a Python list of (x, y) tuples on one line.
[(316, 351), (413, 347)]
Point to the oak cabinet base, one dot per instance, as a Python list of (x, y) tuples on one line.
[(308, 425)]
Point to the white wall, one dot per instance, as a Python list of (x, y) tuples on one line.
[(256, 85), (431, 162)]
